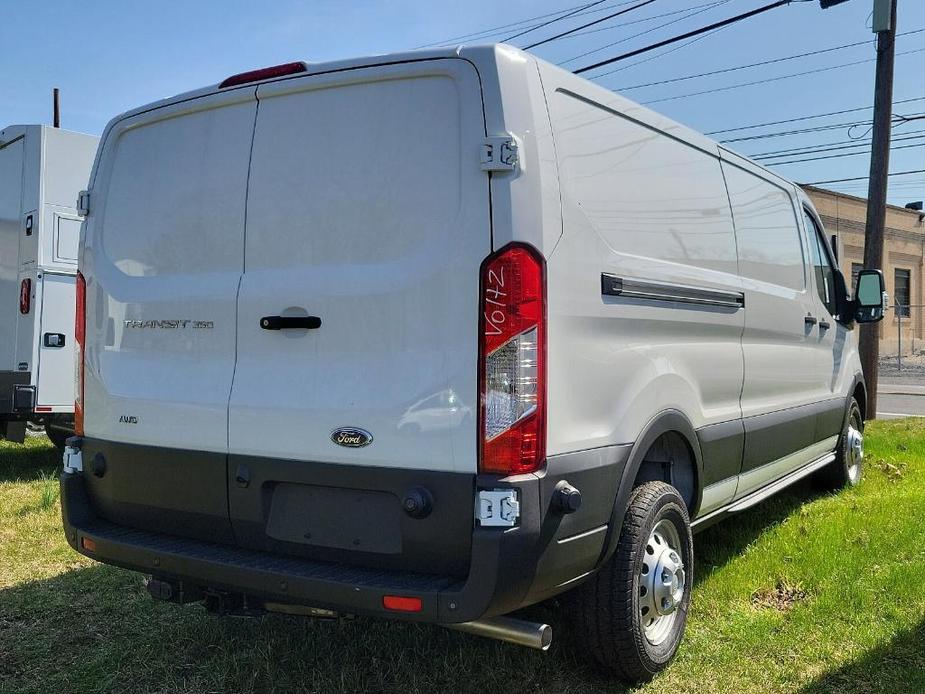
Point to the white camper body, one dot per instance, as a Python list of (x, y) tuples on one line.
[(42, 170)]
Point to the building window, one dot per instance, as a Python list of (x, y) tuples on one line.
[(855, 270), (902, 291)]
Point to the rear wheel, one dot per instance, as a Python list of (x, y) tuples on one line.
[(632, 613), (58, 435), (848, 467)]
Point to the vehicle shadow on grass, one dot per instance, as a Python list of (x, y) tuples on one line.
[(897, 666), (717, 545), (119, 639), (28, 462)]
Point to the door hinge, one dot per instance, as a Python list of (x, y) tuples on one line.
[(83, 203), (500, 153)]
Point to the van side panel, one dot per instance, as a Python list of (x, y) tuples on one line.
[(641, 207), (162, 257)]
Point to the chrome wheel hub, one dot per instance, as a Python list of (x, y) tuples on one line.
[(855, 452), (661, 582)]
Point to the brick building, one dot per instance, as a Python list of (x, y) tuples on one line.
[(903, 262)]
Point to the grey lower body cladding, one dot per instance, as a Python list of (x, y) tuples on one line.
[(211, 539)]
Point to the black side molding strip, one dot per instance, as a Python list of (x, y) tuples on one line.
[(611, 285)]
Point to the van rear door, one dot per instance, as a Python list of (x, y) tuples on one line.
[(162, 258), (55, 387), (368, 209)]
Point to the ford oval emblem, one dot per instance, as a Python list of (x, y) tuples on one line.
[(351, 437)]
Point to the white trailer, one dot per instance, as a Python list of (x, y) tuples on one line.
[(42, 171)]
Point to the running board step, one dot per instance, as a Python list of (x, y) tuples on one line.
[(760, 495)]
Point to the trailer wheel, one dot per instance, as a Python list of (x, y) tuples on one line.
[(632, 613)]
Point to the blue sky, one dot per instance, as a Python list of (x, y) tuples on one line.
[(110, 56)]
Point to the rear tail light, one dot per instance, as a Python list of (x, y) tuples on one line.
[(80, 329), (512, 361), (25, 296), (264, 73)]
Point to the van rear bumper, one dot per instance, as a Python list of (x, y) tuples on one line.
[(509, 567)]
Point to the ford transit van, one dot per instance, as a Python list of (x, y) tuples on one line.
[(439, 335)]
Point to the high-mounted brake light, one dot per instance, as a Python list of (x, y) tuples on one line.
[(264, 73), (80, 329), (25, 296), (512, 361)]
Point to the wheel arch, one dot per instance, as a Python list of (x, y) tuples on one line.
[(666, 422), (859, 392)]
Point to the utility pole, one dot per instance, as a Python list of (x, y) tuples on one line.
[(56, 108), (885, 26)]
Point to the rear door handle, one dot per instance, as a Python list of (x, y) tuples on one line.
[(290, 322), (824, 325), (809, 320)]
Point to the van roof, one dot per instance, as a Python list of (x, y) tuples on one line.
[(312, 69), (482, 55)]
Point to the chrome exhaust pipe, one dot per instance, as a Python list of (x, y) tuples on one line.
[(510, 629)]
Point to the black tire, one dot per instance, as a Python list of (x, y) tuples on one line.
[(608, 607), (57, 435), (848, 467)]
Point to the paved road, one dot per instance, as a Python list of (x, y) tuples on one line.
[(901, 401)]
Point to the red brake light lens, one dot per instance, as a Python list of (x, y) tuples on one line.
[(264, 74), (80, 328), (512, 361), (25, 296)]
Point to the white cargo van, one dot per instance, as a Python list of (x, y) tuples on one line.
[(438, 335), (42, 169)]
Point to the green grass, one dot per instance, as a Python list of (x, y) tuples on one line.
[(808, 592)]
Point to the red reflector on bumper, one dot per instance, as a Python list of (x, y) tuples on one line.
[(401, 603), (88, 544)]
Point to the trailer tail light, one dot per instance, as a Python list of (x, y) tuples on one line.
[(512, 361), (264, 73), (25, 296), (80, 329)]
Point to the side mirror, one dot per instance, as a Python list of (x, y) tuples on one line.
[(869, 297)]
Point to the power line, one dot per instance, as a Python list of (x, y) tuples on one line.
[(863, 178), (773, 79), (662, 54), (751, 65), (591, 23), (551, 21), (815, 149), (697, 10), (797, 131), (828, 147), (623, 25), (689, 34), (812, 117), (502, 27), (840, 156)]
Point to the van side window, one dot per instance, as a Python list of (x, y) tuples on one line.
[(766, 230), (825, 275)]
